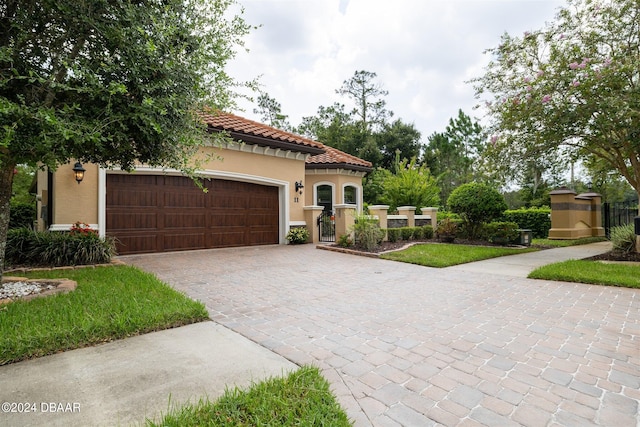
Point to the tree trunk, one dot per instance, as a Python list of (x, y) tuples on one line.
[(6, 183)]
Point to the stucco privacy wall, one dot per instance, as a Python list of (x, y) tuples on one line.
[(575, 216)]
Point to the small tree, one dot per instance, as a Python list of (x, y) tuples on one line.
[(412, 185), (476, 204)]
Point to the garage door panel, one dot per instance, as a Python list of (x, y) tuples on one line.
[(132, 220), (182, 241), (163, 213), (137, 243), (184, 220), (141, 198), (184, 200)]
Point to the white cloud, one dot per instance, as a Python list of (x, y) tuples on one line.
[(423, 51)]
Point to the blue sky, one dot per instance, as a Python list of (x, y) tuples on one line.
[(423, 51)]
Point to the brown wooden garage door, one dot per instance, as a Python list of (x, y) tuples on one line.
[(149, 213)]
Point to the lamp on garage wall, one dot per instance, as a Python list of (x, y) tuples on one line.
[(299, 187), (78, 172)]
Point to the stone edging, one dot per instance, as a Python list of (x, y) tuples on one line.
[(63, 285), (361, 253)]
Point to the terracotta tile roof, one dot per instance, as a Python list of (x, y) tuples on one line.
[(239, 127), (333, 157), (252, 132)]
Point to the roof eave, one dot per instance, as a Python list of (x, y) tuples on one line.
[(268, 142), (358, 168)]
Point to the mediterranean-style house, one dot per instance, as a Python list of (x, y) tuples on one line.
[(259, 185)]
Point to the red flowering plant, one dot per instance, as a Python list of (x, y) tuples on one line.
[(80, 228)]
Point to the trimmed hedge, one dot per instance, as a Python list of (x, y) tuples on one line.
[(537, 220), (393, 234), (501, 232), (43, 248), (409, 233)]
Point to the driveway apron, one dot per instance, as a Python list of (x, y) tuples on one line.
[(405, 345)]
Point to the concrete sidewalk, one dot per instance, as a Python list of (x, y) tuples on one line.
[(522, 264), (126, 381)]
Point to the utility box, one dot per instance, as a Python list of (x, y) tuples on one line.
[(636, 225), (525, 237)]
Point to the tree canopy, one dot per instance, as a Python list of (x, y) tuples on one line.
[(570, 88), (452, 155), (109, 82)]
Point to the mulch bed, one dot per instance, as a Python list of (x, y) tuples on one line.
[(617, 256)]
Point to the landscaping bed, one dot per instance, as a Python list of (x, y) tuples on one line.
[(617, 256)]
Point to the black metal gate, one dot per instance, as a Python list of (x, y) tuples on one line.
[(327, 226), (615, 214)]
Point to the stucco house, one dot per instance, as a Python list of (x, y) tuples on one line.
[(259, 186)]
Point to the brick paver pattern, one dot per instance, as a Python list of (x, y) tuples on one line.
[(404, 345)]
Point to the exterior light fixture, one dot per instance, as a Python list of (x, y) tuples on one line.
[(78, 172), (299, 187)]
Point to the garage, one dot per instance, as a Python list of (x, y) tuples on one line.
[(159, 213)]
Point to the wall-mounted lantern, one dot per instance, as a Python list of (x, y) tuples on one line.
[(299, 187), (78, 172)]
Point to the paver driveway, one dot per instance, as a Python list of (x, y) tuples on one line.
[(415, 346)]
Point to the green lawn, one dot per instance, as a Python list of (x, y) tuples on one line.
[(445, 255), (548, 243), (109, 303), (302, 398), (592, 272)]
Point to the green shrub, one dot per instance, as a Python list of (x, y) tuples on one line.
[(298, 235), (623, 238), (43, 248), (406, 233), (367, 233), (393, 234), (22, 215), (502, 232), (418, 233), (345, 241), (476, 204), (427, 231), (537, 220)]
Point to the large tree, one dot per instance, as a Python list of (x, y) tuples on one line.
[(398, 137), (368, 97), (109, 82), (270, 112), (573, 85), (452, 155)]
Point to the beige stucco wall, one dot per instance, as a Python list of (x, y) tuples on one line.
[(575, 216), (80, 202), (72, 202), (287, 167), (338, 178)]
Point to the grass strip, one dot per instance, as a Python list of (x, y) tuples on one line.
[(302, 398), (445, 255), (549, 243), (109, 303), (592, 272)]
